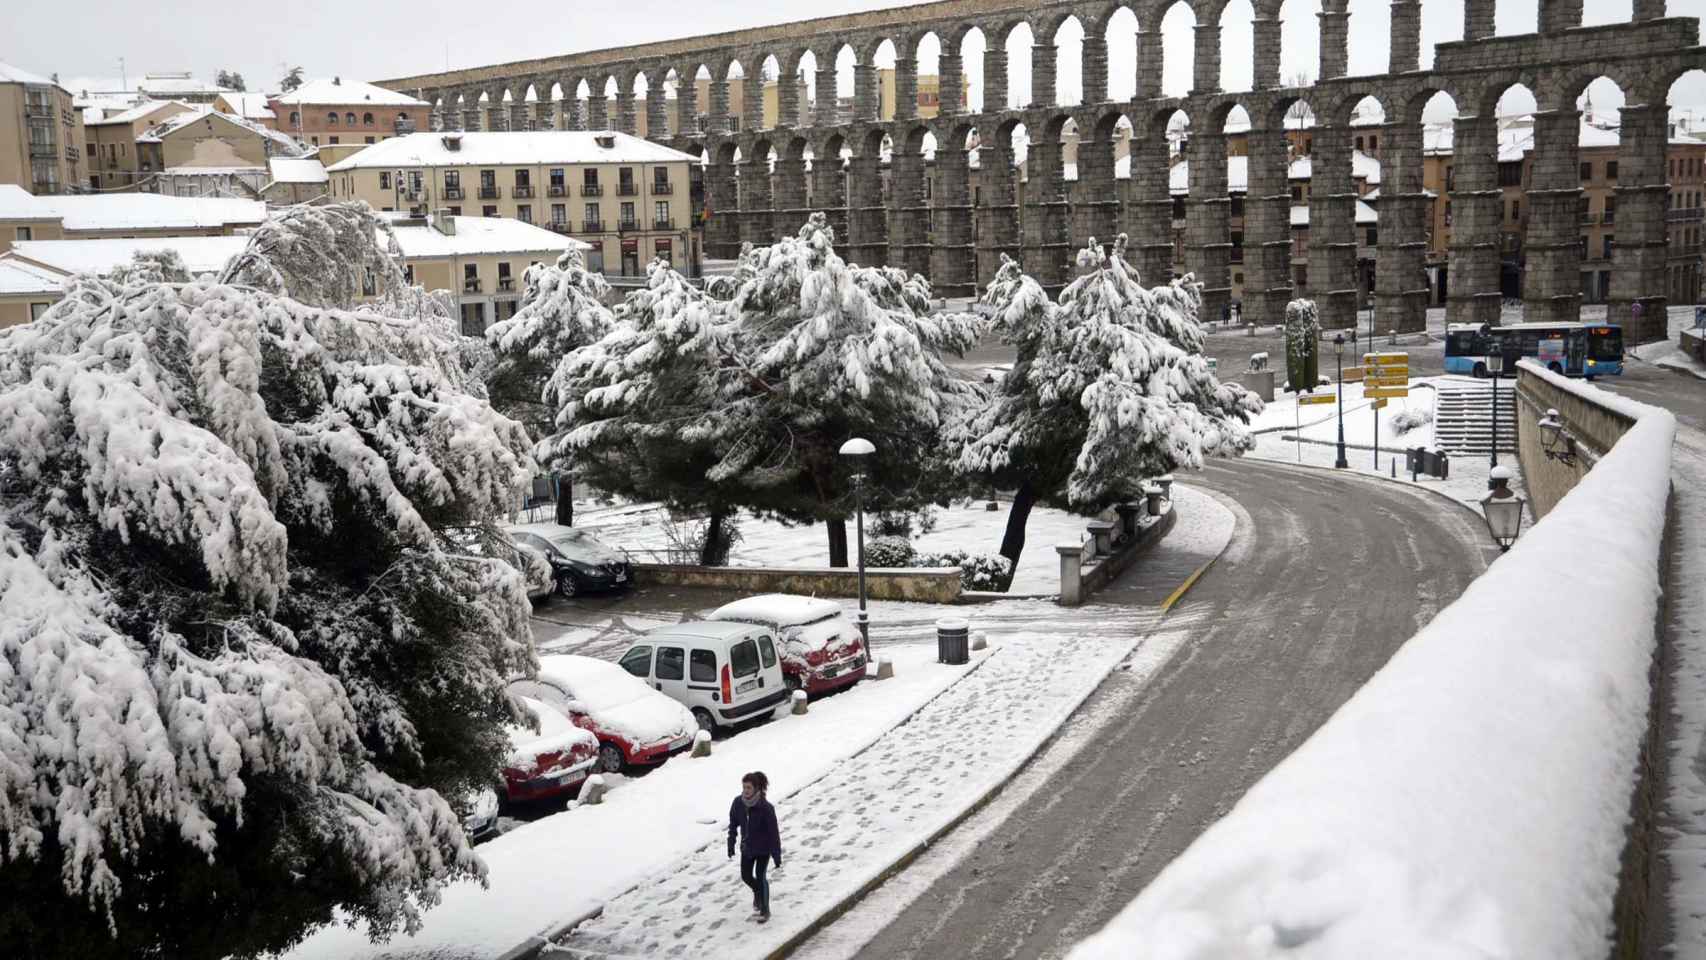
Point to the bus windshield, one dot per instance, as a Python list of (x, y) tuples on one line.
[(1605, 343)]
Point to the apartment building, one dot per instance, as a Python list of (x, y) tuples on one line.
[(110, 144), (626, 198), (204, 153), (335, 112), (295, 180), (41, 134), (479, 261), (1597, 156)]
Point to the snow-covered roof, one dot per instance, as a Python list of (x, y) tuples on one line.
[(297, 170), (179, 84), (252, 106), (479, 236), (11, 74), (178, 121), (336, 93), (1363, 167), (1237, 176), (201, 254), (19, 277), (138, 112), (129, 211), (499, 148), (1365, 215)]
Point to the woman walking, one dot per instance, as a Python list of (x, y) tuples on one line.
[(752, 816)]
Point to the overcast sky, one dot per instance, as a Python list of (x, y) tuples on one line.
[(367, 40)]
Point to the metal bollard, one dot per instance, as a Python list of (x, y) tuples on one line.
[(702, 743), (592, 791), (799, 703)]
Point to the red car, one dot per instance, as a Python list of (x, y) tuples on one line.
[(550, 762), (821, 647), (632, 724)]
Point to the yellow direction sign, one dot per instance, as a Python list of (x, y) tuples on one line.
[(1376, 382), (1387, 392), (1386, 359), (1379, 403), (1307, 400)]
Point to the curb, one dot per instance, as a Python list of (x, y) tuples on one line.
[(536, 944), (1191, 581)]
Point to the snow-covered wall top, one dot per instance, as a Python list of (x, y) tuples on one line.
[(1472, 798)]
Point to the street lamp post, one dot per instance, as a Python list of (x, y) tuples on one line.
[(1502, 509), (1339, 388), (856, 450), (1495, 366)]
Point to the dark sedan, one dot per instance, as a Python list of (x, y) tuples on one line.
[(579, 562)]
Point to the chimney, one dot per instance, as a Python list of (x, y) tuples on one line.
[(452, 142), (606, 140), (443, 222)]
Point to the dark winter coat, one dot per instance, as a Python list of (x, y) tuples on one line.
[(759, 834)]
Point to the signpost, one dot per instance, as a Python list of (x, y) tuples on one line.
[(1306, 399), (1387, 377)]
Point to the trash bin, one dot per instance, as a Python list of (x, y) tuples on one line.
[(952, 640)]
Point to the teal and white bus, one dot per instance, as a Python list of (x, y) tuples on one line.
[(1572, 349)]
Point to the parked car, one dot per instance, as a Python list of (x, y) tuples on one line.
[(535, 568), (481, 821), (579, 562), (634, 724), (724, 672), (550, 762), (821, 648)]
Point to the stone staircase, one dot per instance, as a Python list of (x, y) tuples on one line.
[(1463, 418)]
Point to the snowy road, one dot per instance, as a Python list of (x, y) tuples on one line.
[(1332, 575)]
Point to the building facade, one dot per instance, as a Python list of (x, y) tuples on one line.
[(110, 145), (203, 153), (41, 134), (627, 199), (334, 112)]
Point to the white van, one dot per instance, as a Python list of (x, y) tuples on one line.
[(726, 673)]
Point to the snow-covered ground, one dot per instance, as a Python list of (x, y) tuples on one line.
[(770, 543), (1472, 798), (1468, 475), (1668, 352), (846, 829)]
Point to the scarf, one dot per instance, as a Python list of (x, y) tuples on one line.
[(753, 802)]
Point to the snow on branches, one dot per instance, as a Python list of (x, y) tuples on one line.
[(1110, 386), (220, 528), (323, 255), (562, 309)]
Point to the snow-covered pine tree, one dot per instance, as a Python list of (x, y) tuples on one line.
[(1109, 388), (641, 410), (324, 255), (830, 352), (562, 309), (240, 666), (725, 287)]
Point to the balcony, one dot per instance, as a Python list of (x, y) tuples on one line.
[(1588, 219), (1684, 213), (490, 193), (626, 226), (403, 125), (506, 284), (471, 285), (454, 193), (38, 108), (522, 191), (411, 193), (627, 189), (664, 224), (662, 188), (40, 187), (43, 150), (560, 226), (592, 190), (592, 226), (556, 190)]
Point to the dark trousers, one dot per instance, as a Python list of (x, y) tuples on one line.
[(752, 874)]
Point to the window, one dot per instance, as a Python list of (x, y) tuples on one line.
[(314, 140), (1607, 245), (1373, 144), (332, 119), (37, 309), (1237, 205), (1296, 197), (523, 178), (452, 180), (556, 176), (628, 213), (660, 214), (384, 179), (90, 148), (559, 213), (1448, 213), (367, 139), (488, 179), (503, 273), (524, 213), (1178, 208), (409, 273), (295, 118), (1510, 174), (25, 233), (349, 118), (367, 119), (455, 210), (660, 178), (625, 181), (1582, 252), (489, 210), (1585, 206), (1450, 178), (1516, 210), (470, 277), (1611, 169), (1587, 171), (589, 178), (1610, 209), (743, 658), (1359, 143), (702, 667), (1308, 144), (767, 651), (671, 663), (638, 661), (331, 139), (592, 213), (1374, 236)]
